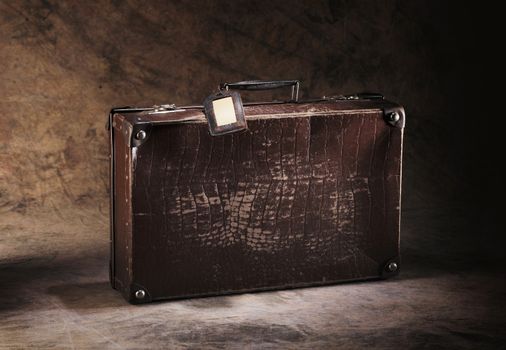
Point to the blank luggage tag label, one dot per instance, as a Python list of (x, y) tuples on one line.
[(225, 113)]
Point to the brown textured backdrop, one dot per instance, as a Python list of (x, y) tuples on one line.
[(64, 64)]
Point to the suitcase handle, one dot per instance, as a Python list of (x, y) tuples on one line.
[(255, 85)]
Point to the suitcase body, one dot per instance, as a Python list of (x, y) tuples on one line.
[(308, 195)]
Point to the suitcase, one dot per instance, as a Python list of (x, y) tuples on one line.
[(308, 194)]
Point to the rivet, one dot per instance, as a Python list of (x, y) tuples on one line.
[(141, 135), (393, 117), (392, 267), (140, 294)]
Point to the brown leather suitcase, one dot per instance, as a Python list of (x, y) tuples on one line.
[(307, 195)]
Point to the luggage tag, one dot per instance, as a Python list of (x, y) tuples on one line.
[(225, 113)]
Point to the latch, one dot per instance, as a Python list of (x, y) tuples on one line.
[(163, 108)]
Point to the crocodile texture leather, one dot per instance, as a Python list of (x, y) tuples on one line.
[(293, 201)]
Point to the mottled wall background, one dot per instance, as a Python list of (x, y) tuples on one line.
[(64, 64)]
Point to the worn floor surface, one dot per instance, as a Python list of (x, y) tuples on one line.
[(55, 294)]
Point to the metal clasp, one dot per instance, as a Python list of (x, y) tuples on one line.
[(162, 108), (165, 107)]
